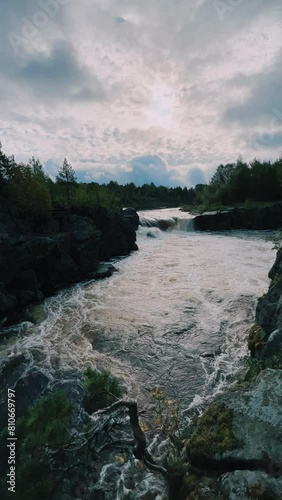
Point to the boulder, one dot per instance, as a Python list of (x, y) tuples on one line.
[(273, 345), (103, 271), (244, 485), (257, 419), (243, 429)]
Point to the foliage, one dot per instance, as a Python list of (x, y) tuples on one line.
[(242, 182), (66, 179), (257, 365), (256, 339), (213, 432), (168, 415), (42, 435), (29, 192), (254, 367), (48, 420), (103, 389)]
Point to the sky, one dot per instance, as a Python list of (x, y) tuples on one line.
[(141, 91)]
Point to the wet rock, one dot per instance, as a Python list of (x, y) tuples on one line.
[(257, 419), (28, 389), (273, 345), (103, 271), (242, 429), (277, 266), (244, 485), (7, 300), (12, 368), (240, 218)]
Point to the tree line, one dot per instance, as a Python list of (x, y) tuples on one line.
[(241, 182), (29, 192)]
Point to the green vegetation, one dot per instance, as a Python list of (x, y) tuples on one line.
[(42, 436), (213, 432), (240, 185), (256, 339), (243, 182), (30, 193), (256, 365), (103, 389)]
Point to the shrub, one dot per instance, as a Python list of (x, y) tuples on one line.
[(41, 437), (103, 389)]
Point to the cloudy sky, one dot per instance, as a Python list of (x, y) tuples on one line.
[(141, 90)]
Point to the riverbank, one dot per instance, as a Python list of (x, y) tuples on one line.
[(256, 216), (63, 250)]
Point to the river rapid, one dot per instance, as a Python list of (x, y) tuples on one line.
[(175, 315)]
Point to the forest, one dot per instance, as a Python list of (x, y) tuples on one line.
[(29, 192)]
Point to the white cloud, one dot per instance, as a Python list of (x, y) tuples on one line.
[(115, 84)]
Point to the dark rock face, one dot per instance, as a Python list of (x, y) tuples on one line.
[(240, 218), (118, 237), (277, 266), (33, 266), (132, 217)]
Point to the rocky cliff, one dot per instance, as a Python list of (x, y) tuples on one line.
[(259, 218), (65, 249), (236, 446)]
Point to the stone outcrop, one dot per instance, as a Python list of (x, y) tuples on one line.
[(37, 264), (238, 437), (259, 218)]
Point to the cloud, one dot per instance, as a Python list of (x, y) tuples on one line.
[(264, 97), (159, 91)]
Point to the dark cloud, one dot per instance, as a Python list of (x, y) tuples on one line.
[(264, 102), (60, 75)]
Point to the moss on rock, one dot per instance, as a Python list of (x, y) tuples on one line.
[(256, 340), (213, 433)]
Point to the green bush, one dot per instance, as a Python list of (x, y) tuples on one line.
[(41, 437), (103, 389)]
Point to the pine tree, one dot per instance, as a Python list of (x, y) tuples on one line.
[(66, 177)]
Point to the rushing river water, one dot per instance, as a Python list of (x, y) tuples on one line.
[(175, 315)]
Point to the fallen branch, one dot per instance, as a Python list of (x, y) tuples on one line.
[(140, 451)]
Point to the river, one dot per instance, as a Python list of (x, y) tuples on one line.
[(175, 315)]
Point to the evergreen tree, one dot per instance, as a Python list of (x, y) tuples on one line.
[(66, 177)]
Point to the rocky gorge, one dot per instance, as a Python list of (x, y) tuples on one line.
[(233, 448), (35, 263)]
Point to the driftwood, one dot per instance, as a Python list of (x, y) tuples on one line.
[(140, 451)]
